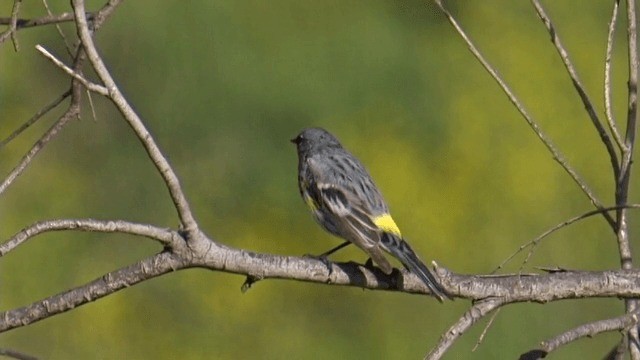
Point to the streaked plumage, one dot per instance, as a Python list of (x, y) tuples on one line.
[(345, 201)]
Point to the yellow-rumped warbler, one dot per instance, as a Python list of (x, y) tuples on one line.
[(346, 202)]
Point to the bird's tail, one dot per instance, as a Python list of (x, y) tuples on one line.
[(403, 252)]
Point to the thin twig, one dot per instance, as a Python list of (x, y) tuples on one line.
[(57, 25), (608, 107), (486, 329), (45, 20), (633, 80), (166, 237), (557, 156), (72, 112), (575, 79), (91, 106), (14, 21), (555, 228), (13, 26), (88, 84), (74, 107), (35, 117), (470, 317), (159, 160)]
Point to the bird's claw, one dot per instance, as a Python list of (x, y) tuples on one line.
[(369, 264), (323, 259)]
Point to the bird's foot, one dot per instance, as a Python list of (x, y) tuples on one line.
[(324, 259), (369, 264)]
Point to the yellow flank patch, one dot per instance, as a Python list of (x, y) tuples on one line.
[(386, 223), (310, 202)]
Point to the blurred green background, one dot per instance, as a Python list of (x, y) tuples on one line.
[(223, 86)]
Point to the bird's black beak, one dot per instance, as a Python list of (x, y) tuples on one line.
[(295, 140)]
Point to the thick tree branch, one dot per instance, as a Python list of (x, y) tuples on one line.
[(204, 253)]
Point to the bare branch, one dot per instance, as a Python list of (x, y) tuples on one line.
[(491, 292), (557, 156), (559, 226), (204, 253), (588, 330), (622, 183), (159, 160), (14, 354), (632, 305), (57, 25), (470, 317), (633, 81), (588, 105), (108, 284), (533, 243), (13, 21), (91, 106), (619, 351), (166, 237), (486, 329), (89, 85), (45, 20), (72, 112), (613, 128), (36, 117), (622, 188), (511, 288)]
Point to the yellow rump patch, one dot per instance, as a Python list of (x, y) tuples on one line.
[(385, 222)]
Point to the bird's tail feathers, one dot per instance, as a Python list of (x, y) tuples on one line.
[(403, 252)]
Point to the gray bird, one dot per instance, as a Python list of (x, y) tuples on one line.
[(345, 201)]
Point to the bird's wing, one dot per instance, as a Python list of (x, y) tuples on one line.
[(350, 214)]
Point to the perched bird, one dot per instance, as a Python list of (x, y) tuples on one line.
[(346, 202)]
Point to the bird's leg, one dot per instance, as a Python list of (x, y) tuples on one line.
[(327, 253), (324, 257)]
